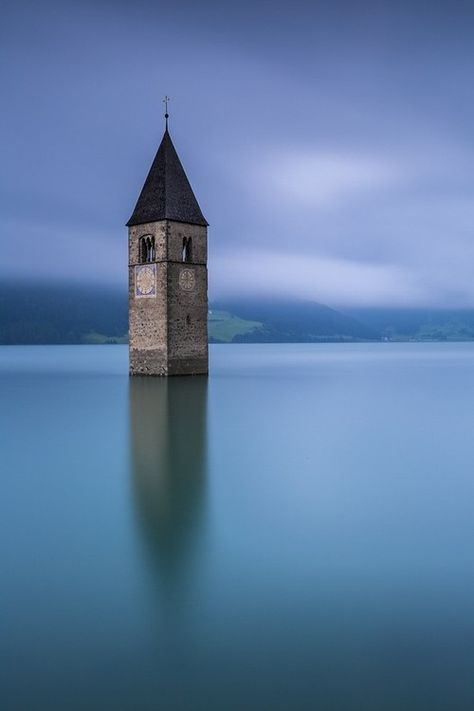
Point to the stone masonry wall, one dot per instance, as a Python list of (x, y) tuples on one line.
[(177, 231), (168, 332), (187, 320), (147, 329), (157, 230)]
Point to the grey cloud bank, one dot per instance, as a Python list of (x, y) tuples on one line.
[(330, 146)]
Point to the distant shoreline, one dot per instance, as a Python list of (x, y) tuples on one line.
[(57, 314)]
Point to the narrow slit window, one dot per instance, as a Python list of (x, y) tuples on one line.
[(186, 254)]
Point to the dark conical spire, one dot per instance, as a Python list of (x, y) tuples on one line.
[(167, 194)]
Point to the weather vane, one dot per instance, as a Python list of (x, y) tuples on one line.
[(165, 101)]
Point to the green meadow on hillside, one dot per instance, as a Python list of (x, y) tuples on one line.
[(223, 326)]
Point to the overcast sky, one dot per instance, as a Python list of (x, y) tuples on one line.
[(330, 145)]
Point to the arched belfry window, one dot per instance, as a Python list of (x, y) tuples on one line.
[(146, 249), (187, 254)]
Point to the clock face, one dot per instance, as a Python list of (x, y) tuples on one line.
[(145, 280), (187, 280)]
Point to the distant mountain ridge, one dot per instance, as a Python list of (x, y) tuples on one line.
[(418, 324), (60, 314), (295, 321)]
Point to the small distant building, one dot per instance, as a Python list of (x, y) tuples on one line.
[(167, 256)]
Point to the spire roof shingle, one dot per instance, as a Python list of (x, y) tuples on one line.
[(167, 193)]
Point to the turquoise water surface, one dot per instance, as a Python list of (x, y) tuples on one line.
[(295, 532)]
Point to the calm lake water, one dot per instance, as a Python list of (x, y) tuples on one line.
[(295, 532)]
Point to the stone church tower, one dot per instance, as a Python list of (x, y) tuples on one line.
[(167, 257)]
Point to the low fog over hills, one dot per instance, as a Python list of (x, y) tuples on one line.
[(44, 314)]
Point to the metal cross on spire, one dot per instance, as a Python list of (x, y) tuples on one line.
[(165, 101)]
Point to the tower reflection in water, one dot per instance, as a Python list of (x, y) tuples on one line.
[(168, 444)]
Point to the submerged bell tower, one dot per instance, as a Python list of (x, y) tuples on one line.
[(167, 283)]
